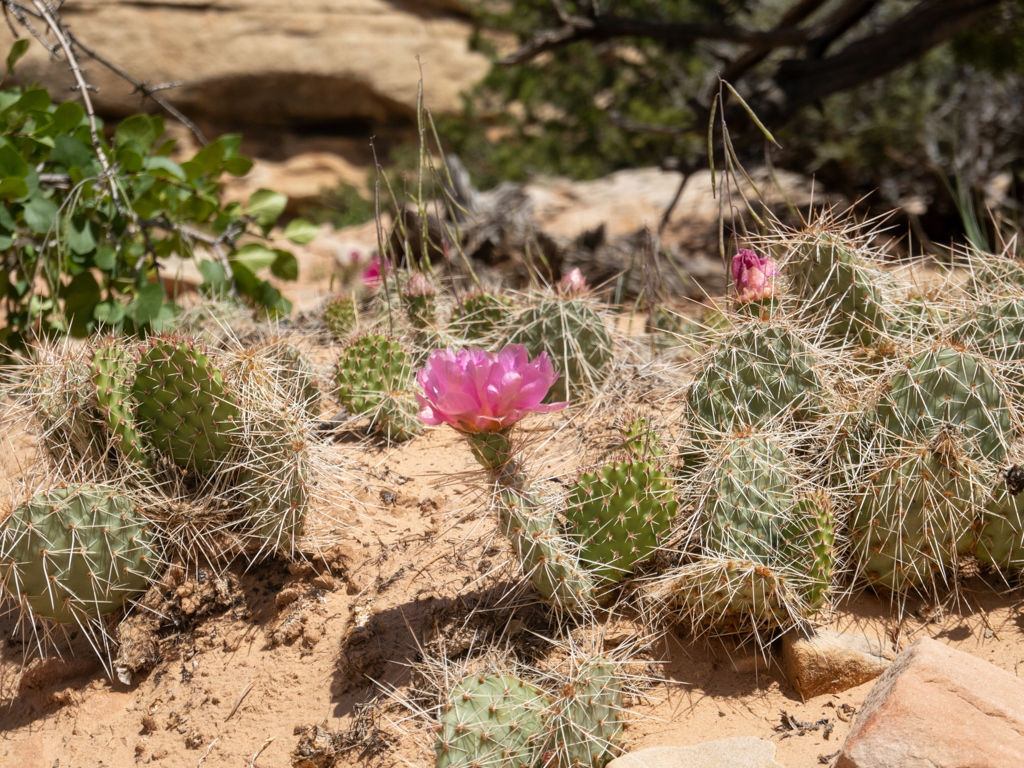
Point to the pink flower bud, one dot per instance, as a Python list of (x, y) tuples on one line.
[(573, 284), (419, 285), (374, 274), (753, 276), (477, 391)]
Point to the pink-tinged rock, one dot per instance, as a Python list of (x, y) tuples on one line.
[(937, 707)]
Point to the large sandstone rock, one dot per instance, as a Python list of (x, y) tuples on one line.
[(740, 752), (937, 707), (830, 662), (266, 62)]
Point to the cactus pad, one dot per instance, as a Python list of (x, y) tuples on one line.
[(619, 513), (587, 724), (341, 316), (113, 373), (574, 336), (76, 552), (373, 378), (491, 720), (482, 314), (943, 388), (184, 405)]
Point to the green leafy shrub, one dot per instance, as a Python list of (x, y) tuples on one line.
[(82, 245)]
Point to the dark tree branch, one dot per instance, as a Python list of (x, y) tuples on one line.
[(604, 28), (929, 23), (838, 24), (756, 55)]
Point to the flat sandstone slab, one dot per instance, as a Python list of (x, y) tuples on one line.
[(937, 707), (741, 752)]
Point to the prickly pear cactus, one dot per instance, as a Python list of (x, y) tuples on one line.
[(491, 720), (767, 545), (944, 388), (761, 373), (913, 517), (296, 375), (183, 404), (548, 559), (995, 330), (76, 552), (482, 314), (838, 287), (619, 514), (341, 316), (273, 482), (587, 723), (60, 392), (419, 298), (1001, 530), (640, 441), (113, 373), (574, 336), (373, 377)]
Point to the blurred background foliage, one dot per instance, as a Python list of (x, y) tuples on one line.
[(938, 138)]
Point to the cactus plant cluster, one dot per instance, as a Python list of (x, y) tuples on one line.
[(155, 424), (502, 719)]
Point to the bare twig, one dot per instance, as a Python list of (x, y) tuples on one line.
[(143, 87), (238, 703), (267, 743)]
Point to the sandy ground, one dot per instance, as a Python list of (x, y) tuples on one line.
[(288, 647)]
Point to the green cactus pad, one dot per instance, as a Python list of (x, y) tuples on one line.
[(483, 314), (574, 336), (369, 368), (113, 373), (912, 519), (619, 514), (995, 330), (1001, 530), (77, 552), (587, 724), (759, 374), (397, 417), (491, 720), (767, 547), (945, 387), (341, 316), (640, 441), (836, 286), (274, 483), (548, 559), (184, 405), (296, 375)]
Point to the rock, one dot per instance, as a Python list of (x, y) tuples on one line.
[(830, 662), (346, 63), (304, 178), (740, 752), (937, 707)]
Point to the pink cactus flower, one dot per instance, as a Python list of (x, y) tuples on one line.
[(374, 275), (753, 276), (419, 285), (477, 391), (573, 284)]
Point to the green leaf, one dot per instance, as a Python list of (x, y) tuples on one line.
[(6, 241), (231, 142), (137, 128), (166, 148), (215, 277), (253, 257), (37, 98), (265, 205), (192, 170), (238, 166), (109, 312), (105, 258), (147, 303), (300, 231), (285, 266), (67, 116), (210, 157), (82, 236), (12, 189), (17, 51), (11, 163), (40, 214), (70, 152), (168, 166), (81, 296), (130, 158)]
